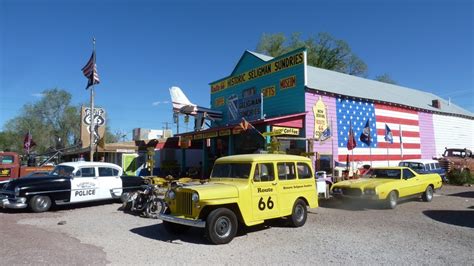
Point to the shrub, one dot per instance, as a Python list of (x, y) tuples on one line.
[(457, 177)]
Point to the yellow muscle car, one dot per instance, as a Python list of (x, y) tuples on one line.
[(389, 184)]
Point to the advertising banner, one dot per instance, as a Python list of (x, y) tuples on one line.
[(320, 118)]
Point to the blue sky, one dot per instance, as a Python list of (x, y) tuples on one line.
[(145, 47)]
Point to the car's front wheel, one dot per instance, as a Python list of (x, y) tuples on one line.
[(40, 203), (221, 226), (392, 200), (428, 194)]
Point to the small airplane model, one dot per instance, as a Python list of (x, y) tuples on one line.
[(181, 104)]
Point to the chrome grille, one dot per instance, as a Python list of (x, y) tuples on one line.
[(184, 203), (351, 192), (446, 165)]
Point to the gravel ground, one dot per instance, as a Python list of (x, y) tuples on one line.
[(439, 232)]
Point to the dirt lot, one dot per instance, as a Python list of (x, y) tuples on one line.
[(439, 232)]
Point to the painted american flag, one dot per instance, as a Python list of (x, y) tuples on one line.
[(380, 151)]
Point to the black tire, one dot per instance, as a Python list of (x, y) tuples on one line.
[(40, 203), (175, 229), (221, 226), (392, 200), (154, 207), (300, 214), (428, 194)]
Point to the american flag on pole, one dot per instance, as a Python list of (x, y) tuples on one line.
[(351, 141), (28, 142), (90, 71), (359, 111), (388, 135)]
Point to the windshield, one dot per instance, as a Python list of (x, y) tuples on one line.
[(455, 153), (384, 173), (413, 165), (6, 159), (231, 170), (62, 170)]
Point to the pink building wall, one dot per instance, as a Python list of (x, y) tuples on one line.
[(330, 102), (427, 137)]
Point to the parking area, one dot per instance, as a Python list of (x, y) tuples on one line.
[(416, 232)]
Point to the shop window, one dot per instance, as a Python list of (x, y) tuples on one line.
[(263, 172), (286, 171), (324, 163)]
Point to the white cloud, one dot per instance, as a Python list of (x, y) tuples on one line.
[(37, 95), (160, 102)]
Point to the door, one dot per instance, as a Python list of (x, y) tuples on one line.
[(265, 203), (85, 185), (410, 183), (289, 188), (110, 182)]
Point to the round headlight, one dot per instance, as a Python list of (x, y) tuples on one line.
[(195, 197), (171, 195), (17, 191)]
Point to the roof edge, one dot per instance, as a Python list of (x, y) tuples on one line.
[(328, 93)]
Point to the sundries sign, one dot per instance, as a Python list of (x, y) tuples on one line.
[(270, 68), (261, 88)]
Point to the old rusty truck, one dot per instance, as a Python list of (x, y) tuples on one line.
[(10, 167)]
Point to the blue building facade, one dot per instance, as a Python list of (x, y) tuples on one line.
[(278, 83)]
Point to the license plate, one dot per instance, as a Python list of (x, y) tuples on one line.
[(5, 172)]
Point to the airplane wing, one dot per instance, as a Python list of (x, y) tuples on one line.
[(210, 114)]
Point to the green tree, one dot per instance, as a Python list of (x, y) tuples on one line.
[(324, 51), (109, 136), (385, 78), (53, 122), (7, 141)]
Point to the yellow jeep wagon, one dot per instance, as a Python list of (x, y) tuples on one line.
[(243, 190)]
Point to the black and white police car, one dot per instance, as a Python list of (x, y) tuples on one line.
[(68, 183)]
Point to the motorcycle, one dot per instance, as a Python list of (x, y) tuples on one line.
[(147, 202)]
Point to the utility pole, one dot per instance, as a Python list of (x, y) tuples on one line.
[(165, 128), (176, 120), (92, 123)]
